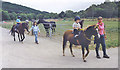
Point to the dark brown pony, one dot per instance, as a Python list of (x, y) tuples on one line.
[(20, 31), (84, 39)]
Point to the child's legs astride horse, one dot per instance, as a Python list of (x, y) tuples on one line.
[(16, 27), (76, 32)]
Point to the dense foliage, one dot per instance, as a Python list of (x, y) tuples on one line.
[(11, 11)]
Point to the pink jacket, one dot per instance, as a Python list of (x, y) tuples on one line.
[(101, 27)]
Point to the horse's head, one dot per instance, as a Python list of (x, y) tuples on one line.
[(81, 23), (93, 30), (40, 21), (25, 25)]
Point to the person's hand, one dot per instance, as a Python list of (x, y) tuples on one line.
[(39, 34), (105, 36), (97, 24)]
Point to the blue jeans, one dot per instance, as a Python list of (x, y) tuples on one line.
[(17, 25), (102, 42), (36, 35)]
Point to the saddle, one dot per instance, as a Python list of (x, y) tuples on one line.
[(80, 30)]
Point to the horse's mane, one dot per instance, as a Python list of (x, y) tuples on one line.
[(89, 27)]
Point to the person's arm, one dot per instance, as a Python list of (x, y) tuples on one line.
[(104, 32), (38, 29), (31, 28), (73, 26), (19, 22)]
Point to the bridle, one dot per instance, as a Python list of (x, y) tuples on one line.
[(88, 38)]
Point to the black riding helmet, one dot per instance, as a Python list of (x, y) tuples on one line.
[(77, 18), (19, 16)]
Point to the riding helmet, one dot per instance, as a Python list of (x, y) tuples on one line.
[(19, 16), (77, 18)]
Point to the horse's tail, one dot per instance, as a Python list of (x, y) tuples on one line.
[(12, 30), (64, 43), (64, 40)]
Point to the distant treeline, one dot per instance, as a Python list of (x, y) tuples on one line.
[(107, 10)]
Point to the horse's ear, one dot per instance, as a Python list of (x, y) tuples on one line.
[(81, 22)]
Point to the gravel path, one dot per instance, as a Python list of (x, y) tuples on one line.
[(48, 54)]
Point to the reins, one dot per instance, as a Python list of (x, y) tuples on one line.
[(88, 38)]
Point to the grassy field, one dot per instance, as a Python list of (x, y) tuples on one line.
[(63, 25)]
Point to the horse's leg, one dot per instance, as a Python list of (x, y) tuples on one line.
[(23, 37), (87, 48), (47, 33), (83, 52), (14, 36), (52, 30), (19, 37), (71, 50), (64, 44)]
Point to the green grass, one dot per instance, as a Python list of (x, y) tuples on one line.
[(111, 31), (63, 25)]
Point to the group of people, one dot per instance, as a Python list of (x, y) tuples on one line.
[(34, 27), (76, 30), (101, 40)]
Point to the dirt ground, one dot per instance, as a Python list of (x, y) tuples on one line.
[(47, 54)]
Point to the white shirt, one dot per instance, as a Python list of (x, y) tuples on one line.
[(35, 28), (76, 25)]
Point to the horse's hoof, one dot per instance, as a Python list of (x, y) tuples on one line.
[(73, 55), (63, 54), (21, 42), (84, 60)]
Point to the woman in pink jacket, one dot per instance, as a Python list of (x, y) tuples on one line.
[(101, 40)]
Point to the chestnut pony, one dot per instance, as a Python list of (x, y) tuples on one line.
[(84, 39)]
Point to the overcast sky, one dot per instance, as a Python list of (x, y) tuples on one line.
[(57, 6)]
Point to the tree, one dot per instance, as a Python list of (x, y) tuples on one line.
[(13, 15), (69, 13), (5, 15), (40, 16), (23, 16), (62, 14)]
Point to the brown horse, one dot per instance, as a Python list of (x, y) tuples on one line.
[(21, 29), (84, 39)]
